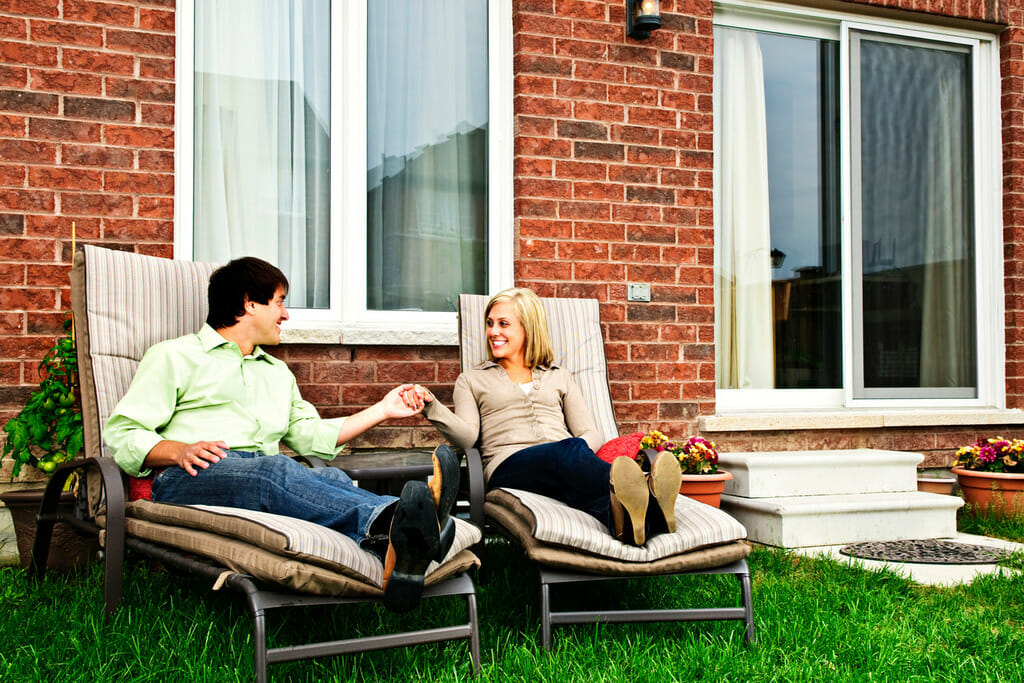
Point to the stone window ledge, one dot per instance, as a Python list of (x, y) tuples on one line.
[(859, 419), (353, 335)]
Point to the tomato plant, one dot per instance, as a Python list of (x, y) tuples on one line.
[(48, 430)]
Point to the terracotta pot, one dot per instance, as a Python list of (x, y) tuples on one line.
[(706, 488), (68, 550), (939, 485), (1000, 492)]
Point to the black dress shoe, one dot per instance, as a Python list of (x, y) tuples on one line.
[(413, 541)]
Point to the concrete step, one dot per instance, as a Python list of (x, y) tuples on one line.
[(803, 521), (817, 473)]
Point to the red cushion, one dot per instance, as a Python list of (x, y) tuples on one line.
[(628, 446), (141, 488)]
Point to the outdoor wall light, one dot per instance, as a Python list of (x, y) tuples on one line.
[(642, 17)]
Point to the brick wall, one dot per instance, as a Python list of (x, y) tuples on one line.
[(612, 173)]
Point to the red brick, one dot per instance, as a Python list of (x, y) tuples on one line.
[(29, 102), (651, 116), (581, 170), (13, 27), (12, 175), (580, 49), (601, 31), (525, 206), (633, 54), (553, 229), (49, 274), (525, 84), (26, 200), (99, 13), (636, 213), (597, 111), (583, 251), (542, 147), (610, 232), (98, 108), (524, 166), (596, 71), (543, 25), (140, 136), (601, 272), (153, 160), (534, 126), (11, 224), (536, 187), (154, 67), (581, 90), (542, 106), (635, 253), (65, 33), (591, 211), (25, 347), (156, 20), (98, 62), (537, 249), (13, 76), (650, 195), (138, 183), (581, 9), (66, 82), (633, 95), (544, 270), (628, 173), (343, 373), (47, 323), (592, 191), (156, 207), (543, 45), (109, 157), (61, 226), (27, 54), (659, 156), (19, 249), (95, 204), (64, 178), (64, 129), (537, 64), (140, 89), (138, 229)]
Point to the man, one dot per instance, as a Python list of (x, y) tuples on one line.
[(209, 410)]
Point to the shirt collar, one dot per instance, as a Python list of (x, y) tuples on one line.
[(212, 339), (492, 364)]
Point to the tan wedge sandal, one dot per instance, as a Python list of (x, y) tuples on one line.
[(629, 497)]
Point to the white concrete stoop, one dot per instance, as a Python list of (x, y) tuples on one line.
[(817, 498)]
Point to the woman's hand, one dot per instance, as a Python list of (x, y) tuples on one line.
[(423, 393)]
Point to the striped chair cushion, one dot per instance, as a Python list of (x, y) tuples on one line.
[(697, 526), (286, 537), (575, 328), (131, 302)]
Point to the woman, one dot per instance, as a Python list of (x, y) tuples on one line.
[(536, 432)]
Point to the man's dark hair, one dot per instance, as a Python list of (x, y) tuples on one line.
[(247, 278)]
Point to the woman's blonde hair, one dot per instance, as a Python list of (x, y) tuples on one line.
[(530, 313)]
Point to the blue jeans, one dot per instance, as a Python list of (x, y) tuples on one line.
[(280, 485), (566, 470)]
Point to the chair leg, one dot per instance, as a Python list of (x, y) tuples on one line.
[(545, 615), (748, 607), (474, 637)]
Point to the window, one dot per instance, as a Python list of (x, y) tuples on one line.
[(363, 148), (856, 213)]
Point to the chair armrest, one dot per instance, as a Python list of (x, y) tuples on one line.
[(310, 461), (475, 470)]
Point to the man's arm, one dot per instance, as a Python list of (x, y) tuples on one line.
[(399, 402)]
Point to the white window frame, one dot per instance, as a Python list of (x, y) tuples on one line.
[(987, 150), (348, 320)]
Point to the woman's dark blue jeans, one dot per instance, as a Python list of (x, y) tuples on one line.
[(566, 470)]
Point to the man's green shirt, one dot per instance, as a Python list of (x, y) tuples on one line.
[(201, 388)]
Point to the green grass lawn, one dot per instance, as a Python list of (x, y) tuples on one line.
[(816, 620)]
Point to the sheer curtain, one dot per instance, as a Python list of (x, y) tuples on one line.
[(262, 138), (743, 297), (427, 114), (919, 322)]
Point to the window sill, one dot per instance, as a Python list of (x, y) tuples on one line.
[(371, 335), (860, 419)]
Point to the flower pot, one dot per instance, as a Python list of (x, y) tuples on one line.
[(940, 485), (69, 551), (705, 488), (1000, 492)]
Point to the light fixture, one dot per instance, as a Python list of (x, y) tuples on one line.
[(778, 256), (642, 17)]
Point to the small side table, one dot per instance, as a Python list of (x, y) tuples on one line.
[(386, 471)]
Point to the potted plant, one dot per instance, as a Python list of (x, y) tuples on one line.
[(698, 461), (991, 474), (46, 432)]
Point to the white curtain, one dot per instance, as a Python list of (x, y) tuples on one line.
[(262, 137), (745, 356), (427, 114), (916, 200)]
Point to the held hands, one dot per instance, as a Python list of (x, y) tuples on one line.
[(402, 401), (417, 395)]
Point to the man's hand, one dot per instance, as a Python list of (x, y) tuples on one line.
[(187, 456)]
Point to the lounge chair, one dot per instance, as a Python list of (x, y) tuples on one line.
[(123, 303), (570, 546)]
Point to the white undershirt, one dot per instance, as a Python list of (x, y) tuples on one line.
[(526, 386)]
